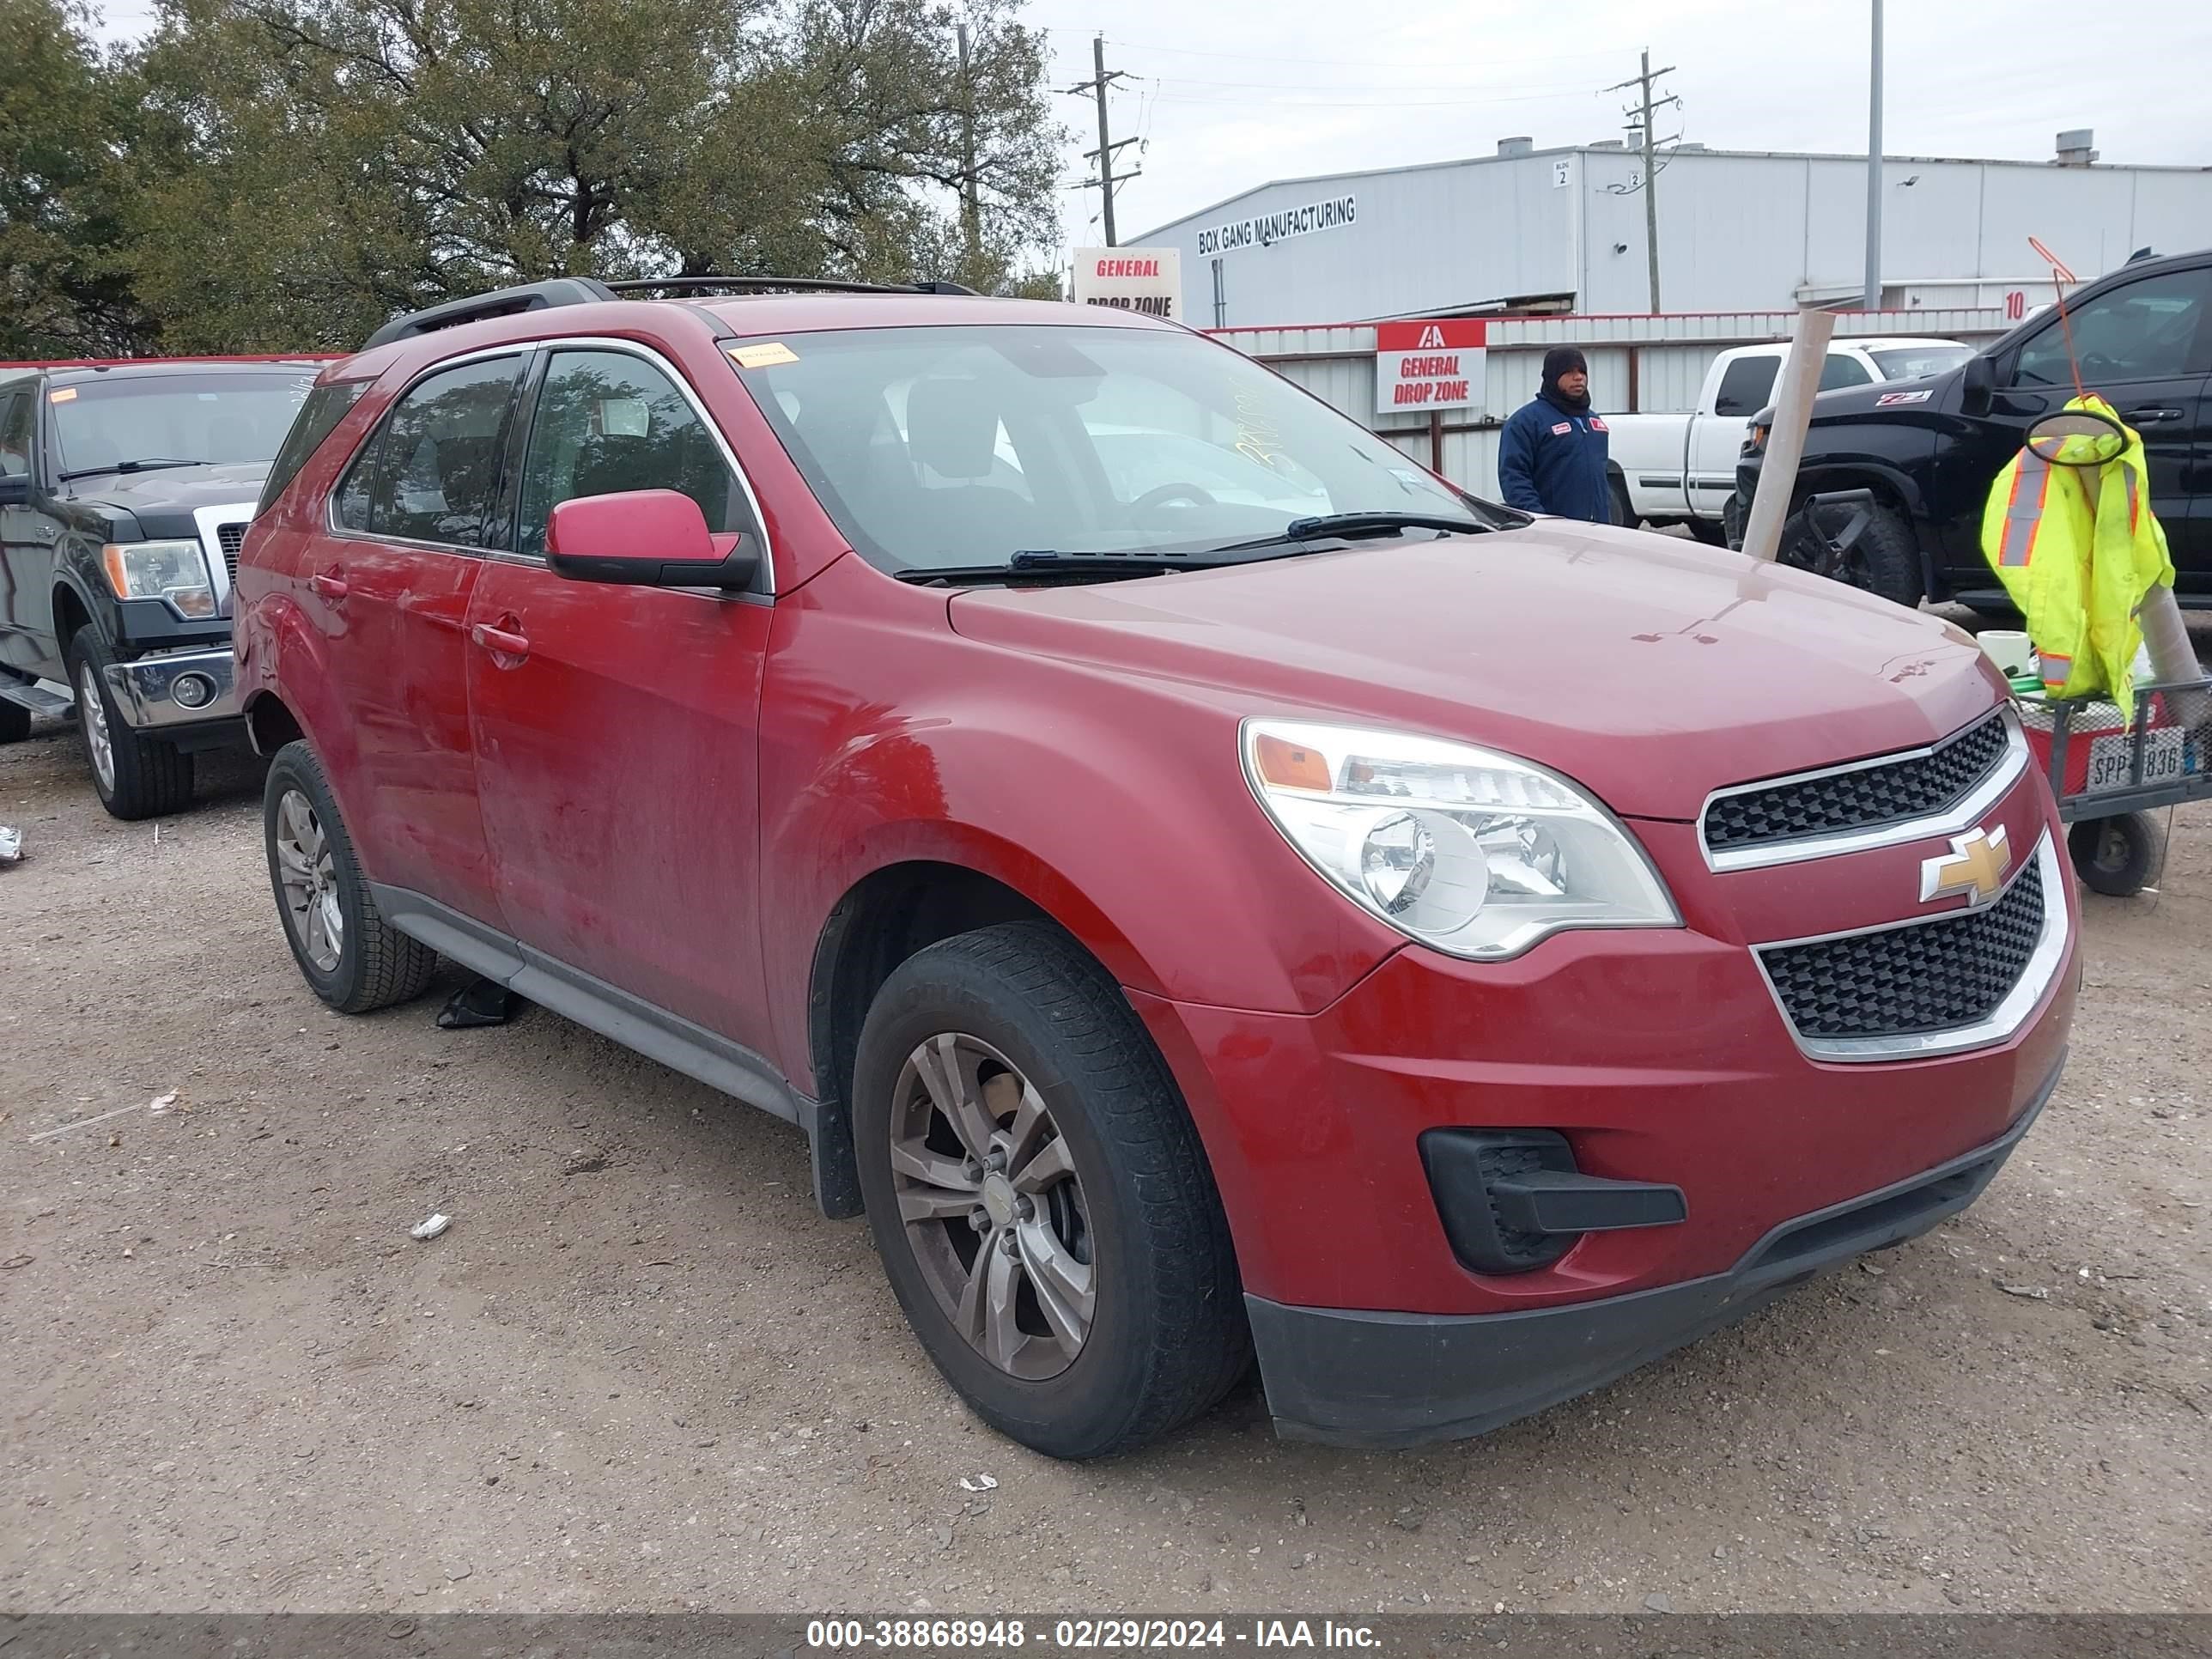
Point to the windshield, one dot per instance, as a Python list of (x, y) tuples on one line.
[(1918, 363), (103, 424), (939, 448)]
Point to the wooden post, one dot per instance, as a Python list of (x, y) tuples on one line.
[(1785, 442), (1436, 441)]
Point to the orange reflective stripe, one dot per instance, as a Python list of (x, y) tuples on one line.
[(2129, 473), (2021, 518)]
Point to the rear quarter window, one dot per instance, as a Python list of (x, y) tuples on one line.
[(319, 416)]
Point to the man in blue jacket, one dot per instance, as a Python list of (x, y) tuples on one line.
[(1551, 457)]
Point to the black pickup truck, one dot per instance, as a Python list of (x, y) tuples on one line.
[(125, 489), (1928, 453)]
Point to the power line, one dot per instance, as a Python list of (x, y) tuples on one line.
[(1643, 112), (1105, 182), (1350, 63)]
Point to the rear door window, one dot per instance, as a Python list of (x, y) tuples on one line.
[(432, 473), (1747, 386)]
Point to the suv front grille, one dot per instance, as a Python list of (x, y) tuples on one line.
[(233, 537), (1865, 797), (1923, 977)]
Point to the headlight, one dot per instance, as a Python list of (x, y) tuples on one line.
[(1472, 852), (175, 571)]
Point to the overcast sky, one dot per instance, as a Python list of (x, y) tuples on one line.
[(1230, 94)]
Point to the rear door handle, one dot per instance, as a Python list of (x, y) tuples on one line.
[(329, 584), (499, 642), (2153, 416)]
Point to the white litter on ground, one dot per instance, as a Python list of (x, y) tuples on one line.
[(430, 1229)]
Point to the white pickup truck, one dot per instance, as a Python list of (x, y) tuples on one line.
[(1680, 469)]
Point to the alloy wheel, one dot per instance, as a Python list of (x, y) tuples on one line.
[(993, 1207), (93, 711), (309, 874)]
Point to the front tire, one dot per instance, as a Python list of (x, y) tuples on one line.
[(14, 722), (350, 956), (134, 776), (1040, 1198), (1884, 559)]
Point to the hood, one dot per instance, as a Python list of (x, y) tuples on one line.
[(1852, 402), (162, 502), (1652, 670)]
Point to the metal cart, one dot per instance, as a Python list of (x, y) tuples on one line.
[(2109, 772)]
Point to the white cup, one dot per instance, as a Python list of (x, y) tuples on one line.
[(2009, 649)]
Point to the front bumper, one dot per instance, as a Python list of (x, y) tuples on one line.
[(146, 689), (1381, 1380)]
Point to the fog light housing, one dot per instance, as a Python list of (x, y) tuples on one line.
[(1512, 1201), (193, 690)]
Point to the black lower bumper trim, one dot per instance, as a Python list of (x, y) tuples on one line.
[(1348, 1377)]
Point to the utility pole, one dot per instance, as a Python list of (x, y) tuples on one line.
[(1105, 182), (1873, 299), (971, 205), (1644, 111)]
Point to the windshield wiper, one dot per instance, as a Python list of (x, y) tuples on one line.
[(1050, 565), (150, 464), (1355, 524)]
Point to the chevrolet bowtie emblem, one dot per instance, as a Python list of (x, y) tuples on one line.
[(1975, 866)]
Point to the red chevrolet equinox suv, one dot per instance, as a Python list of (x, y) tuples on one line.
[(1206, 888)]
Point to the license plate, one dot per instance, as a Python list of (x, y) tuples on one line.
[(2110, 756)]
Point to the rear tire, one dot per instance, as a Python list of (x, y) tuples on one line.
[(2114, 856), (1109, 1312), (134, 776), (350, 956), (1623, 512)]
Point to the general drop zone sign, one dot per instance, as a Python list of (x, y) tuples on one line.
[(1420, 366), (1145, 279)]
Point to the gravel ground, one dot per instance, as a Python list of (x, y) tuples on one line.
[(640, 1372)]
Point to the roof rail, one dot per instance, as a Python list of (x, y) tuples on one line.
[(587, 290), (780, 285), (502, 303)]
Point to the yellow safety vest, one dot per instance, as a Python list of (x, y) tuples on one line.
[(2077, 548)]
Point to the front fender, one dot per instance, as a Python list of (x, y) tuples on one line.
[(1118, 806)]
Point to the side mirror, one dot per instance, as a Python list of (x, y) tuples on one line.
[(644, 538), (15, 489), (2078, 437), (1978, 386)]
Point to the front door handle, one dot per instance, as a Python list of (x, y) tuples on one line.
[(2153, 416), (329, 584), (501, 641)]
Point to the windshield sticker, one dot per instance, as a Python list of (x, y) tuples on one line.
[(66, 394), (767, 355), (1891, 400)]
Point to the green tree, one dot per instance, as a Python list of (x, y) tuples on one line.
[(324, 163), (66, 121)]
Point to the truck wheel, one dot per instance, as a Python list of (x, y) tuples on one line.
[(1884, 559), (14, 722), (1622, 514), (2113, 856), (135, 776), (351, 958), (1709, 531), (1040, 1199)]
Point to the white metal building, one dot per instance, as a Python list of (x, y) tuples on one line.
[(1562, 230)]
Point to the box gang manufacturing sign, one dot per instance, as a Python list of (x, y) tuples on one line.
[(1145, 279), (1265, 229), (1422, 366)]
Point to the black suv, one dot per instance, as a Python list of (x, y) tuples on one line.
[(125, 489), (1929, 451)]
